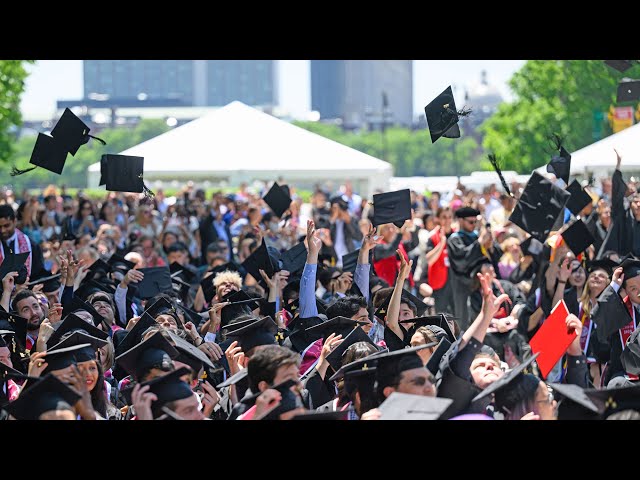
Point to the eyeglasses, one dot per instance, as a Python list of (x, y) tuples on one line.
[(549, 398), (99, 304)]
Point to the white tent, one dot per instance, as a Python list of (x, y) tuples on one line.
[(240, 144), (600, 159)]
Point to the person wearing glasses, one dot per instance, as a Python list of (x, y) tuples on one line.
[(465, 248)]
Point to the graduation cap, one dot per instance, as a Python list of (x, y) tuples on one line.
[(539, 206), (154, 351), (505, 383), (421, 307), (404, 406), (466, 212), (161, 306), (560, 164), (574, 404), (167, 388), (631, 267), (278, 199), (259, 332), (118, 262), (496, 164), (71, 133), (433, 364), (50, 283), (72, 323), (15, 263), (392, 207), (208, 289), (439, 320), (350, 261), (124, 173), (134, 336), (532, 246), (260, 259), (579, 198), (15, 323), (290, 401), (231, 266), (233, 379), (63, 357), (338, 325), (391, 364), (46, 395), (79, 338), (578, 237), (99, 268), (293, 260), (628, 91), (605, 264), (189, 354), (78, 304), (89, 287), (612, 400), (356, 335), (192, 315), (46, 153), (178, 270), (156, 280), (619, 65), (442, 116), (240, 304)]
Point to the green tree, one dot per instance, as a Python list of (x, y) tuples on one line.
[(551, 96), (12, 77)]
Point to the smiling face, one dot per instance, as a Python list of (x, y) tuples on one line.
[(90, 373), (578, 276), (31, 309), (485, 370), (598, 280)]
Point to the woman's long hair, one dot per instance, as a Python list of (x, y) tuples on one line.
[(98, 394), (585, 298)]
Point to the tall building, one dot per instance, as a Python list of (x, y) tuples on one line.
[(181, 82), (352, 90)]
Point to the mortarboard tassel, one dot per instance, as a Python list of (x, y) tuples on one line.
[(145, 190), (96, 138), (16, 171), (557, 141), (464, 112), (494, 163)]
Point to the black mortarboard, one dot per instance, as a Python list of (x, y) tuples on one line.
[(404, 406), (7, 372), (350, 261), (465, 212), (560, 164), (578, 237), (278, 199), (71, 133), (539, 206), (259, 332), (240, 304), (156, 280), (89, 287), (233, 379), (154, 351), (356, 335), (15, 263), (532, 246), (439, 320), (134, 336), (574, 403), (619, 65), (71, 323), (16, 323), (46, 395), (3, 342), (392, 207), (124, 173), (118, 262), (231, 266), (178, 270), (289, 400), (293, 260), (99, 268), (579, 198), (362, 366), (605, 264), (208, 289), (48, 154), (391, 364), (160, 306), (78, 304), (63, 357), (294, 306), (442, 116), (80, 338), (338, 325), (505, 382), (50, 283), (628, 91), (167, 388), (433, 364), (260, 259), (631, 267), (421, 307), (189, 354), (612, 400), (316, 415)]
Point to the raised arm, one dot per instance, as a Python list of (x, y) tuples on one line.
[(393, 312), (490, 305), (363, 267), (308, 306)]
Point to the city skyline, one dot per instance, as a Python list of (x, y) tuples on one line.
[(53, 80)]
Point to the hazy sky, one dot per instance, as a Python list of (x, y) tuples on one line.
[(52, 80)]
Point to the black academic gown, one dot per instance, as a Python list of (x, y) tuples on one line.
[(620, 236)]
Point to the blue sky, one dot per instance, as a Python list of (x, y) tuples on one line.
[(52, 80)]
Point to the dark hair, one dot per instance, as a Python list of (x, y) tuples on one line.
[(6, 211), (519, 399), (346, 306), (291, 291), (94, 297), (326, 275), (83, 202), (355, 352), (21, 295), (265, 363), (342, 203), (177, 247), (213, 247), (49, 198), (442, 210), (375, 281)]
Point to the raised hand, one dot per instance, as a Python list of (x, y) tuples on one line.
[(314, 244), (574, 325), (405, 268), (266, 402), (370, 240), (618, 159), (531, 416), (618, 276), (37, 365), (76, 381), (212, 349), (344, 282), (234, 356), (8, 282), (55, 314), (490, 303), (565, 270), (215, 316), (141, 399), (132, 276)]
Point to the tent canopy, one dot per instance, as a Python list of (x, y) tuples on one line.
[(599, 157), (238, 143)]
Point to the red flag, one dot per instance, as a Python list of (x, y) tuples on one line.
[(553, 339)]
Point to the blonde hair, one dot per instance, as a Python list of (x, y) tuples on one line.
[(507, 257), (109, 356), (228, 276)]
